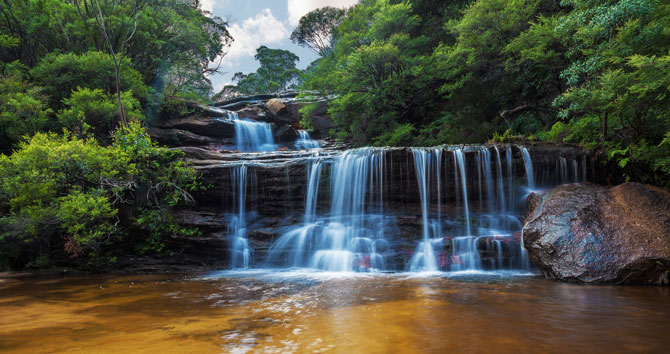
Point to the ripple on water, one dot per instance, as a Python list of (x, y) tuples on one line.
[(285, 311)]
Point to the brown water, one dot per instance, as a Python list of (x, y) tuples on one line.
[(276, 313)]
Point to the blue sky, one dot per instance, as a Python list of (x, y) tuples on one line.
[(261, 22)]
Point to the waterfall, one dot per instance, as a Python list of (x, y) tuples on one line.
[(564, 170), (313, 179), (350, 238), (530, 181), (438, 168), (459, 157), (241, 253), (304, 142), (361, 232), (528, 163), (500, 184), (510, 178), (252, 136), (424, 256), (488, 177), (422, 168)]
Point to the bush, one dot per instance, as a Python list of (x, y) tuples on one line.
[(403, 135), (558, 133), (22, 111), (61, 74), (93, 108), (70, 199)]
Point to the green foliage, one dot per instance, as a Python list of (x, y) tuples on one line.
[(618, 82), (586, 72), (76, 187), (315, 29), (306, 112), (403, 135), (172, 45), (276, 73), (94, 109), (61, 190), (559, 132), (377, 72), (505, 137), (61, 74), (23, 111)]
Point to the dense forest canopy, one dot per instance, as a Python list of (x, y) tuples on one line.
[(424, 73), (81, 179)]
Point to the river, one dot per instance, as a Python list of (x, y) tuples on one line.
[(315, 312)]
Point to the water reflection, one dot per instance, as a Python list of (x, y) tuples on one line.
[(303, 312)]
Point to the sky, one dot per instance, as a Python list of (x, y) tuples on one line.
[(253, 23)]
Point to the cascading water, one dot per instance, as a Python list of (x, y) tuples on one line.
[(314, 177), (564, 169), (489, 242), (240, 252), (304, 142), (252, 136), (424, 257), (466, 255), (351, 237), (349, 225), (530, 177), (528, 164)]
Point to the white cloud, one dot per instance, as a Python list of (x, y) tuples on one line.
[(262, 29), (207, 5), (299, 8)]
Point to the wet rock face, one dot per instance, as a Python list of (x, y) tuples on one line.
[(204, 126), (177, 137), (594, 234), (211, 126), (286, 134), (255, 113), (321, 122)]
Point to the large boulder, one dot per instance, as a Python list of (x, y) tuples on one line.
[(276, 106), (594, 234)]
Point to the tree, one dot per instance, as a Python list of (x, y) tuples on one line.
[(38, 26), (377, 71), (315, 30), (174, 45), (61, 74), (127, 36), (277, 72), (618, 90), (75, 188)]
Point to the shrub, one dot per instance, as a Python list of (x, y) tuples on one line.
[(94, 109), (65, 197)]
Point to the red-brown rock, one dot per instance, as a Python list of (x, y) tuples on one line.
[(594, 234)]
